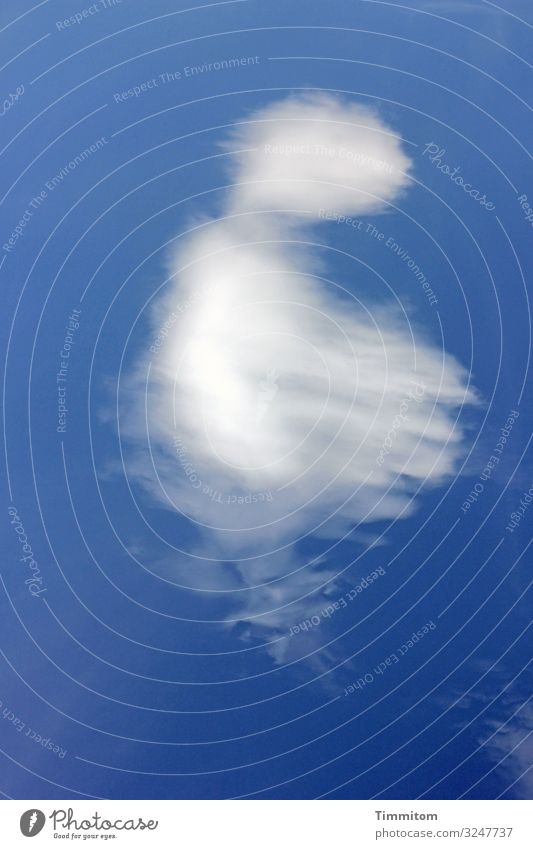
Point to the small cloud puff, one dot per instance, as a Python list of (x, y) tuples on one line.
[(316, 151)]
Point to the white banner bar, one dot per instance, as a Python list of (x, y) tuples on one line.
[(264, 824)]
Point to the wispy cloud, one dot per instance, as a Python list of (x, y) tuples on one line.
[(510, 746), (264, 409)]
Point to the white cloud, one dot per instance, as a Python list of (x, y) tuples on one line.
[(276, 404), (510, 746), (314, 151), (270, 380)]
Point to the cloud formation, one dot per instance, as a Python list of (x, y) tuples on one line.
[(275, 404), (315, 151)]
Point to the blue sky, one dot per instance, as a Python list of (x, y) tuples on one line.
[(137, 657)]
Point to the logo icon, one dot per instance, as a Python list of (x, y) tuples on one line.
[(32, 822), (266, 392)]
